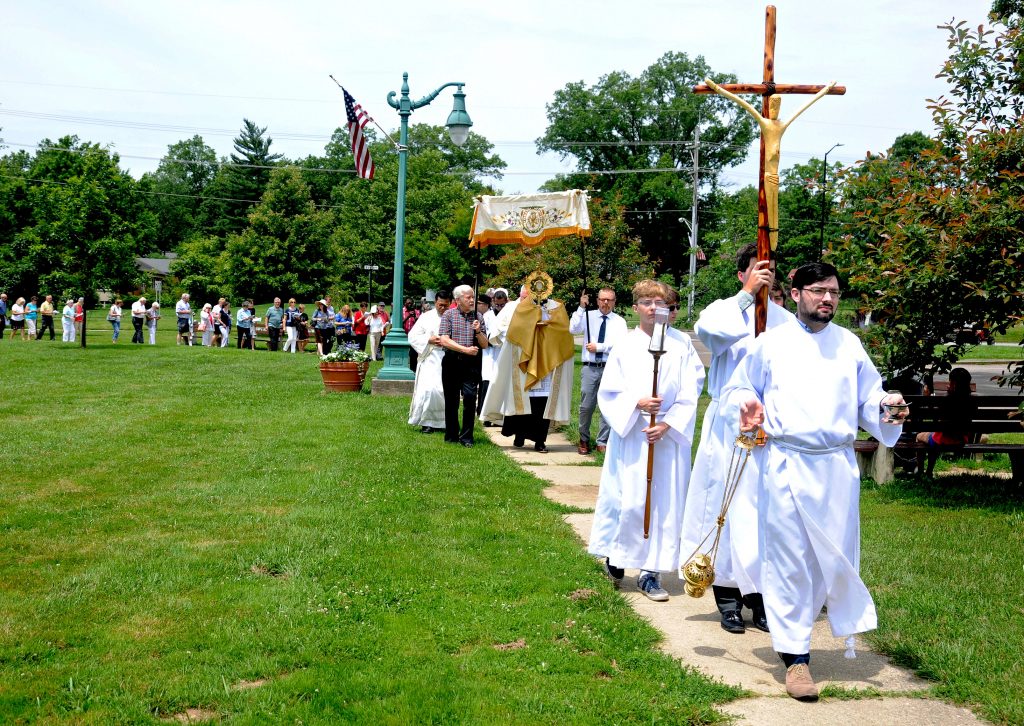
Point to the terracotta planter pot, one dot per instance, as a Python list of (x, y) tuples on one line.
[(344, 375)]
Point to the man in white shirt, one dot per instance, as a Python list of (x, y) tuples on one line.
[(600, 328), (427, 407), (726, 327), (183, 310), (67, 321), (138, 319), (811, 384)]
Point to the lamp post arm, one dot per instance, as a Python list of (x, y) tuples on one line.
[(433, 94), (405, 104)]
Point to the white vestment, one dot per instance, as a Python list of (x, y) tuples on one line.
[(427, 407), (489, 355), (507, 395), (816, 389), (618, 530), (728, 332)]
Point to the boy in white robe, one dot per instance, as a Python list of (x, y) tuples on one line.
[(810, 383), (427, 407), (626, 403), (726, 327)]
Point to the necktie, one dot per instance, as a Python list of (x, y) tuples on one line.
[(600, 336)]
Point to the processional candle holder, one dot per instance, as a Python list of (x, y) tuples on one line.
[(699, 570), (656, 347)]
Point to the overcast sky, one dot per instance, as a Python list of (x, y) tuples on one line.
[(138, 76)]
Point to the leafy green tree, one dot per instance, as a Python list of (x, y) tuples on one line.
[(470, 162), (239, 185), (439, 198), (177, 188), (15, 215), (646, 123), (285, 250), (336, 167), (199, 268), (936, 241), (87, 223)]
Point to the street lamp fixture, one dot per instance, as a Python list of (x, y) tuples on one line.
[(396, 344), (824, 195), (693, 268)]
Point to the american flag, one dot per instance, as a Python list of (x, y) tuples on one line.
[(357, 120)]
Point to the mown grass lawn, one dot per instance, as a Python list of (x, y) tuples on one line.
[(194, 528), (944, 560), (206, 529)]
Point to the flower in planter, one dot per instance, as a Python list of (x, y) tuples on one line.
[(349, 352)]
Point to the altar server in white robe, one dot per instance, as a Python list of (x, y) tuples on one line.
[(626, 403), (427, 407), (810, 384), (726, 327)]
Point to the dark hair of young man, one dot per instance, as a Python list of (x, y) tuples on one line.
[(813, 272), (745, 254), (442, 295)]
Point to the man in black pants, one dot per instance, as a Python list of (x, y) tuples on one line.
[(46, 318), (138, 318), (462, 334)]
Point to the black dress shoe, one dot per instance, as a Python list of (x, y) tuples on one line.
[(732, 622), (519, 443), (540, 448), (759, 620), (467, 444), (426, 430)]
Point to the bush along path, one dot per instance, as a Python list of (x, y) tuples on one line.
[(864, 690)]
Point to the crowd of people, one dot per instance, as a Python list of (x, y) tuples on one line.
[(289, 328), (33, 319), (789, 545)]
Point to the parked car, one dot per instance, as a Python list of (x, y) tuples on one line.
[(972, 334)]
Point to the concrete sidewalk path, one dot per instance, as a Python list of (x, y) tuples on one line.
[(692, 634)]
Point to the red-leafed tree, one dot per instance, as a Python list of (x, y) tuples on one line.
[(936, 237)]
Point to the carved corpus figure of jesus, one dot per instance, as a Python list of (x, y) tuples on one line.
[(772, 130)]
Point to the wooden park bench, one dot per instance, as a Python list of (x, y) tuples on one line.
[(261, 338), (993, 415)]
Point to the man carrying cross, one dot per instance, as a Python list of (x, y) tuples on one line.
[(771, 136)]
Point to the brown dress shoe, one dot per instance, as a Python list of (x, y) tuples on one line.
[(799, 683), (601, 448), (583, 448)]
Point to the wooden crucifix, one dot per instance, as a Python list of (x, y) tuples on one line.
[(771, 137)]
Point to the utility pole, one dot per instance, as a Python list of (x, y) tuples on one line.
[(693, 222)]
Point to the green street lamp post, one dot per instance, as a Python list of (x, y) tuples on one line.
[(396, 344)]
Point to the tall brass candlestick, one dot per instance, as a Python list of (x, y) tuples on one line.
[(657, 349)]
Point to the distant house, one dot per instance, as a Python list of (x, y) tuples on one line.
[(157, 269)]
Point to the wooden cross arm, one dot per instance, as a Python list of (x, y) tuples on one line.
[(762, 89)]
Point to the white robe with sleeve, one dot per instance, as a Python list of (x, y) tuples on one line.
[(427, 407), (728, 332), (489, 355), (618, 530), (817, 388)]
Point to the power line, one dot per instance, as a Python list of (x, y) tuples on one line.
[(158, 194), (295, 136)]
